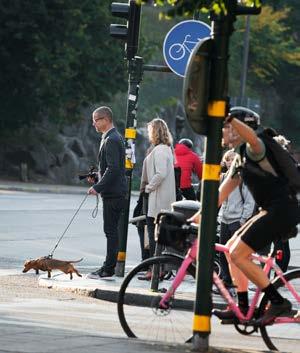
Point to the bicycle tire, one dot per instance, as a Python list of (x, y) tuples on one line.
[(275, 336), (138, 310)]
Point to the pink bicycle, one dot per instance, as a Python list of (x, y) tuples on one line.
[(166, 313)]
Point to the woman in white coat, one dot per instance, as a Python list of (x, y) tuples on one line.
[(158, 179)]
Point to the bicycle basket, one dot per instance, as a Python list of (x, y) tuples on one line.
[(169, 231)]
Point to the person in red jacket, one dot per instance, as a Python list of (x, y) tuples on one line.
[(189, 163)]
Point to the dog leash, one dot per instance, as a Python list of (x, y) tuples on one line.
[(94, 214)]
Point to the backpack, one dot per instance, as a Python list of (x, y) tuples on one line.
[(282, 161)]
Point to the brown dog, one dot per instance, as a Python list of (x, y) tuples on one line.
[(48, 264)]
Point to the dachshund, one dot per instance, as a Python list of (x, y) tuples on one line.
[(48, 264)]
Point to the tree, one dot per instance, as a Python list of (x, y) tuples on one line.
[(273, 70), (55, 57), (188, 7)]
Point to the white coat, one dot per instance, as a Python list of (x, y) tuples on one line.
[(158, 176)]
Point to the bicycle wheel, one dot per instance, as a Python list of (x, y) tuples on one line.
[(283, 336), (138, 305)]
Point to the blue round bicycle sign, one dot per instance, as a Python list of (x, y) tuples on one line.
[(180, 42)]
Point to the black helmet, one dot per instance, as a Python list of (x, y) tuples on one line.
[(247, 116), (187, 142)]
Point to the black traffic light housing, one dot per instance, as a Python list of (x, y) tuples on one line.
[(196, 86), (129, 32)]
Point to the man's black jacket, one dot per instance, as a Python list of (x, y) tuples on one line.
[(111, 158)]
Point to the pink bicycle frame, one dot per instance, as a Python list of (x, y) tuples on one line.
[(269, 264)]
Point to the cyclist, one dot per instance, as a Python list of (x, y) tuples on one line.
[(279, 211)]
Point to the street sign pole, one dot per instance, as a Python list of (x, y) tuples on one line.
[(135, 70)]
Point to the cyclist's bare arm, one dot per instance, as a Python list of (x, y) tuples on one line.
[(248, 135)]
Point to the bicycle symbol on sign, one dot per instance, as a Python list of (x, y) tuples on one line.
[(178, 50)]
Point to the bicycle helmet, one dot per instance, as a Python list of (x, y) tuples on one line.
[(187, 142), (246, 115)]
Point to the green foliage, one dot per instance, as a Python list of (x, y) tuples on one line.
[(55, 57), (271, 46), (188, 7), (273, 67)]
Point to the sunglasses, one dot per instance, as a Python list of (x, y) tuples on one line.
[(99, 118)]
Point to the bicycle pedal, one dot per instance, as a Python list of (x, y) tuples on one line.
[(228, 321)]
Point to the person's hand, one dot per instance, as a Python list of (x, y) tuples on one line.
[(91, 180), (92, 191), (196, 218)]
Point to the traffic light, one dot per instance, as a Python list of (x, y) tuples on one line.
[(196, 86), (129, 32)]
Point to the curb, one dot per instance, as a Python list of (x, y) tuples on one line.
[(141, 297), (54, 189), (51, 189)]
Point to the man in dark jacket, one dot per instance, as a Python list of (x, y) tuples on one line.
[(111, 185), (189, 163)]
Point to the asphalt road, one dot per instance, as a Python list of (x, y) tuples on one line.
[(32, 223)]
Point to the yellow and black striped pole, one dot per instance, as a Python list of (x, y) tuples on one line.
[(207, 231), (211, 126), (135, 77), (216, 110)]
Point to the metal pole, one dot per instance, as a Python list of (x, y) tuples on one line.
[(245, 60), (221, 31), (135, 77), (136, 69)]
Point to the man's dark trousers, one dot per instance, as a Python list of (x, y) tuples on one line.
[(112, 208)]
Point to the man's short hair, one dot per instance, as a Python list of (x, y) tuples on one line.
[(104, 111)]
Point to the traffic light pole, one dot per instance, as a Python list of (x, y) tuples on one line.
[(221, 31), (135, 69), (222, 28)]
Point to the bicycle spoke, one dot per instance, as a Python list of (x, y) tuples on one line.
[(148, 321)]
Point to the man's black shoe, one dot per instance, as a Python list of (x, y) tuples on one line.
[(275, 310), (227, 316), (101, 273)]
